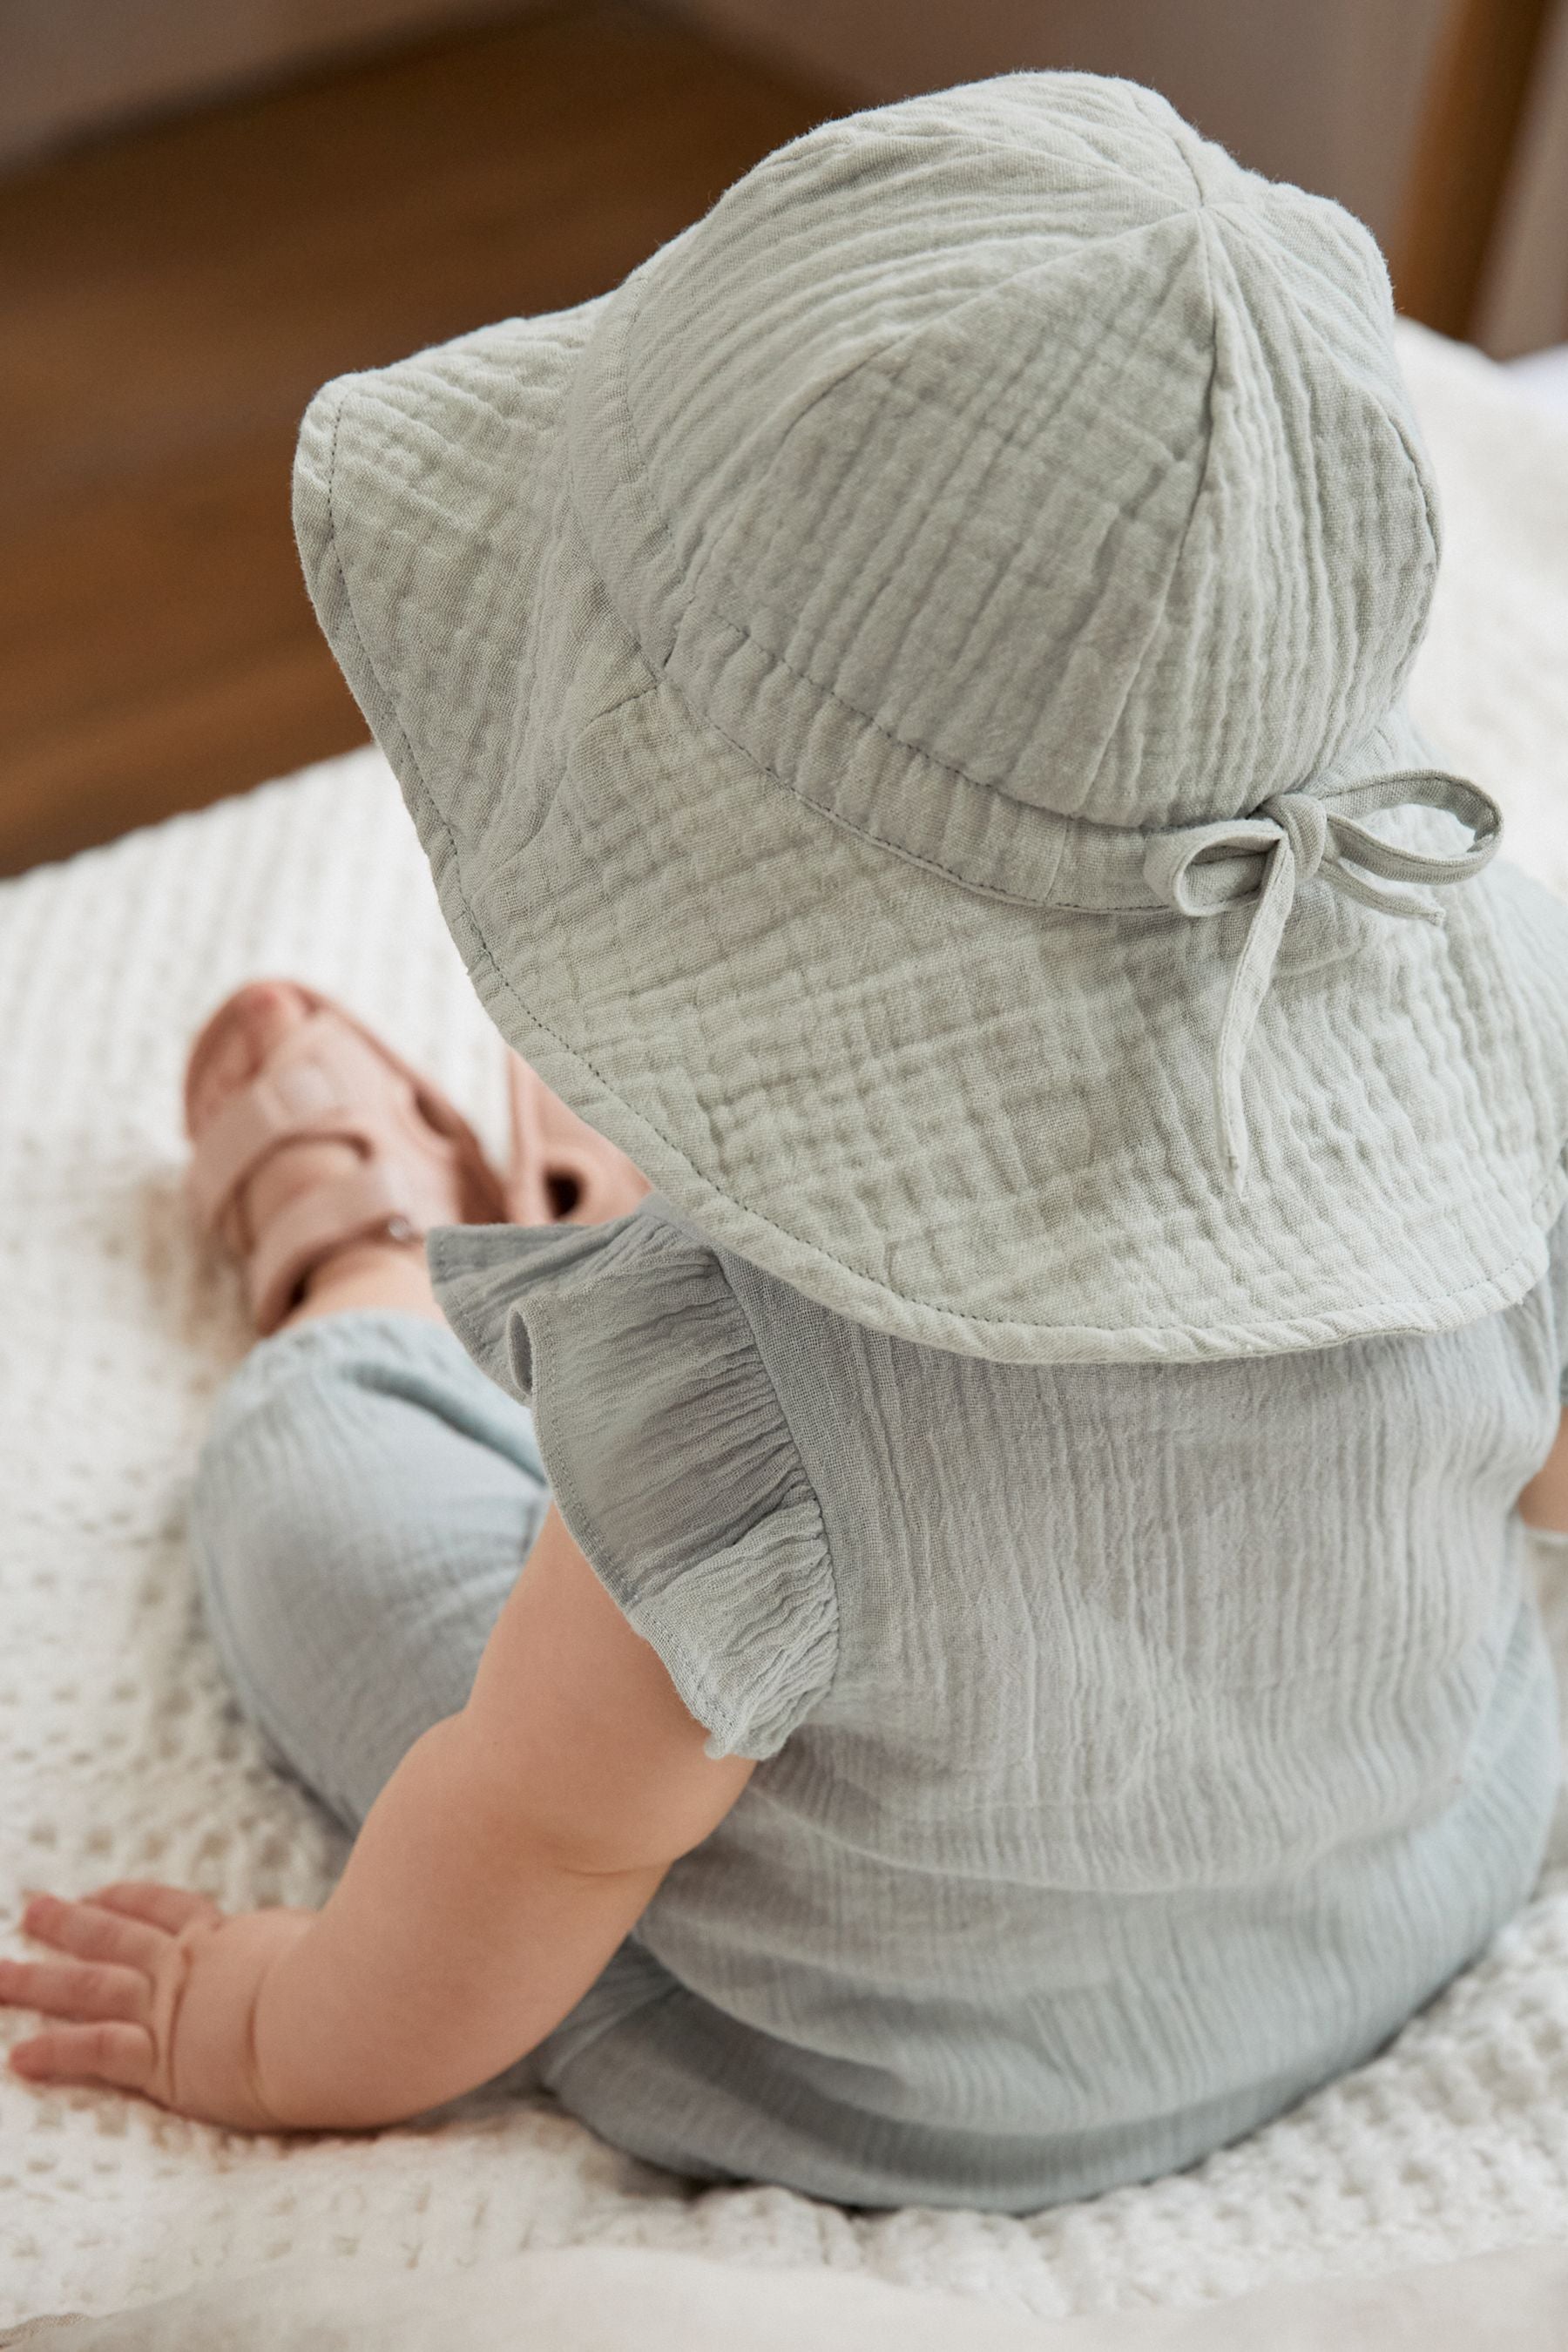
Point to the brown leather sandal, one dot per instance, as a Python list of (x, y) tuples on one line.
[(327, 1081)]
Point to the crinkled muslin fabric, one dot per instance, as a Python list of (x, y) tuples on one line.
[(904, 702), (1113, 1795), (121, 1751)]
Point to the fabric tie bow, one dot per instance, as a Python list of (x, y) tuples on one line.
[(1197, 870)]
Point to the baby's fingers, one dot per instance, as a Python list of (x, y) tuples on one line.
[(70, 1989), (169, 1908), (106, 2052), (91, 1933)]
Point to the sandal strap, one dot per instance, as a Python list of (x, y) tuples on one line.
[(300, 1100), (327, 1081), (351, 1207)]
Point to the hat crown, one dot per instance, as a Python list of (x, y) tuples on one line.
[(1019, 428), (1036, 1088)]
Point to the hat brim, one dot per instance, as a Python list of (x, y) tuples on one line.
[(986, 1126)]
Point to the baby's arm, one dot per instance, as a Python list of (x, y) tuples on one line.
[(1544, 1502), (501, 1865)]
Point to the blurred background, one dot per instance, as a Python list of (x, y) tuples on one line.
[(205, 210)]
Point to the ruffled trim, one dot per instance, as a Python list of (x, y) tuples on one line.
[(668, 1450)]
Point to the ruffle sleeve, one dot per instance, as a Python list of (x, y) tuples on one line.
[(667, 1450)]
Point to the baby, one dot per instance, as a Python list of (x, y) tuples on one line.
[(926, 1599)]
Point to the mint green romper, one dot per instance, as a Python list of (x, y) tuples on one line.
[(1141, 1743)]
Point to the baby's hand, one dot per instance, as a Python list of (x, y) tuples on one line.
[(157, 1996)]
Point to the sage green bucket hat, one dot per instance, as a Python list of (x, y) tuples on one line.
[(903, 702)]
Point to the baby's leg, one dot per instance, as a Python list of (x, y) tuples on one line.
[(362, 1506)]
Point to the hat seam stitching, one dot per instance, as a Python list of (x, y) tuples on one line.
[(695, 603), (943, 1316), (1199, 211), (863, 831), (1205, 233), (1150, 115), (1120, 834), (947, 133), (1129, 835), (712, 609), (1030, 809), (658, 673)]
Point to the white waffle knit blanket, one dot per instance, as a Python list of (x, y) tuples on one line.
[(121, 1754)]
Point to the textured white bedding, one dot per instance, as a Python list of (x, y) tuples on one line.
[(120, 1753)]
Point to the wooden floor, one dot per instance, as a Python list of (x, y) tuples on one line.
[(168, 302)]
